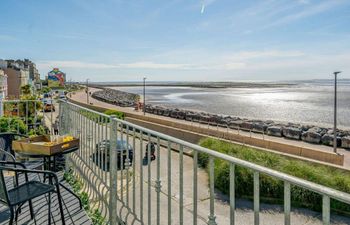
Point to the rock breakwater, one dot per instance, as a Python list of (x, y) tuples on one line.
[(115, 97), (307, 133)]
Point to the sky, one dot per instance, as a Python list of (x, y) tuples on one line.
[(179, 40)]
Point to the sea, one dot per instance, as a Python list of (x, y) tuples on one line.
[(305, 102)]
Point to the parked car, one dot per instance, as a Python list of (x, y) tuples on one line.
[(102, 154), (48, 105), (62, 96)]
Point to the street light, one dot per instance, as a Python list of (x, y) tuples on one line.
[(335, 112), (87, 91), (144, 95)]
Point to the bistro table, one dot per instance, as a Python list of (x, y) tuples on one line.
[(50, 164)]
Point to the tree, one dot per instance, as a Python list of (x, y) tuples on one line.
[(26, 90), (45, 90)]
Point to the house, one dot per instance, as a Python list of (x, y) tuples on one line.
[(3, 85)]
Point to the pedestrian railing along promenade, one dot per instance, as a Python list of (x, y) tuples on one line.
[(138, 192)]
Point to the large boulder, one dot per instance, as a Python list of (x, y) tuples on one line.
[(259, 127), (327, 139), (155, 110), (292, 132), (189, 116), (345, 142), (311, 137), (246, 125), (213, 119), (160, 111), (275, 131), (173, 113), (166, 112), (181, 115), (196, 116), (235, 124), (224, 121), (204, 118), (149, 108)]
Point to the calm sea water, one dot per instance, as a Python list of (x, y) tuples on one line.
[(307, 102)]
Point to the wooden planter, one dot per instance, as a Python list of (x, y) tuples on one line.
[(36, 145)]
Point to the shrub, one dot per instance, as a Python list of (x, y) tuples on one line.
[(271, 189), (119, 115), (12, 124), (77, 185)]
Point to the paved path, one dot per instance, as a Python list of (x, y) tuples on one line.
[(81, 97)]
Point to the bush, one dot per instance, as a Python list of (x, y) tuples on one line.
[(12, 124), (119, 115), (77, 185), (271, 189)]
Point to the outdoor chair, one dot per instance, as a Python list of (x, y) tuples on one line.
[(7, 153), (20, 194)]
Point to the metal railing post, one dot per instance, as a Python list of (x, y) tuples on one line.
[(1, 108), (232, 194), (256, 198), (113, 217), (211, 217), (287, 203)]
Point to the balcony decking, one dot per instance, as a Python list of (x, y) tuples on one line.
[(72, 213)]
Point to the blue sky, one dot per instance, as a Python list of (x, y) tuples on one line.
[(182, 40)]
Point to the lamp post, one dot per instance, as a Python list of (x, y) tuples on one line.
[(144, 95), (87, 91), (335, 112)]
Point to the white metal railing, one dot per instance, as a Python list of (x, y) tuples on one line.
[(130, 193)]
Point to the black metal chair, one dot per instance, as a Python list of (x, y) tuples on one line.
[(23, 193), (7, 153)]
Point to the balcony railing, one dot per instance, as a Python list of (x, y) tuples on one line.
[(126, 187), (143, 192)]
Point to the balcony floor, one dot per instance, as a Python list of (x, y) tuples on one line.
[(72, 213)]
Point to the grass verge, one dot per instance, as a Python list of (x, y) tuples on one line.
[(271, 189)]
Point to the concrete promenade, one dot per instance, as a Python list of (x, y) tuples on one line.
[(81, 97)]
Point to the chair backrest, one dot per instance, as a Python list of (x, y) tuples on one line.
[(6, 140), (3, 189)]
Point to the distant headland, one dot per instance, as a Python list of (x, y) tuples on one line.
[(229, 84)]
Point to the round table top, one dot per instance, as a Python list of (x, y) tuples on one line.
[(38, 155)]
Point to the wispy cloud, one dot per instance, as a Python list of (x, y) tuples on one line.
[(206, 3), (248, 55), (310, 10)]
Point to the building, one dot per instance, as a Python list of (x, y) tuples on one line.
[(20, 73), (17, 76), (56, 78), (3, 85)]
